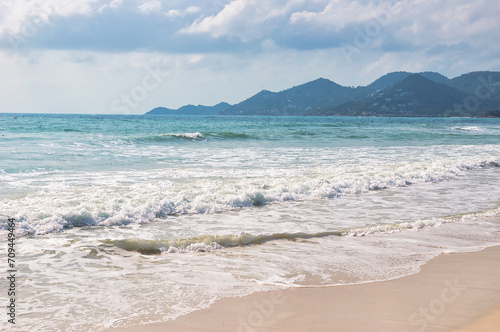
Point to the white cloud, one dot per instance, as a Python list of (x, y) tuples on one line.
[(417, 23), (183, 12), (173, 13), (339, 14), (112, 4), (299, 24), (193, 10), (237, 44), (449, 22), (245, 19), (150, 7), (217, 25), (16, 15)]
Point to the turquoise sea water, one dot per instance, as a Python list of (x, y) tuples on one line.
[(167, 214)]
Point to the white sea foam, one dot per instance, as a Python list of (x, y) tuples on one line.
[(208, 243), (128, 288), (302, 202), (470, 129), (419, 224), (193, 136), (68, 199), (200, 258)]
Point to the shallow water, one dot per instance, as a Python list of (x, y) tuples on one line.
[(128, 219)]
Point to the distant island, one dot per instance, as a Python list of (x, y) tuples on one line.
[(475, 94)]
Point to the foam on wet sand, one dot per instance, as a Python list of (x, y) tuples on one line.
[(453, 292)]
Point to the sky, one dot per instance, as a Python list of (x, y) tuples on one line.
[(127, 57)]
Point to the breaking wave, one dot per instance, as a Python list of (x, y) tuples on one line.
[(193, 136), (172, 137), (114, 204), (474, 129), (207, 243)]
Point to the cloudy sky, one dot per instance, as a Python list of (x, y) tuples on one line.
[(128, 56)]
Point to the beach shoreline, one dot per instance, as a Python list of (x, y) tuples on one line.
[(452, 292)]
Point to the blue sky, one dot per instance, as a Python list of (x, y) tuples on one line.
[(118, 56)]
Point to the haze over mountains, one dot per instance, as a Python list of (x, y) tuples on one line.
[(394, 94)]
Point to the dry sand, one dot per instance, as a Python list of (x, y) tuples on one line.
[(454, 292)]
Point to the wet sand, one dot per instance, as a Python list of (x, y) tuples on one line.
[(456, 292)]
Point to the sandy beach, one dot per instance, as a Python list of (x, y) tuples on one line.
[(454, 292)]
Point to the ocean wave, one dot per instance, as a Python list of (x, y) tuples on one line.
[(222, 135), (172, 137), (207, 243), (299, 133), (353, 136), (419, 224), (72, 130), (475, 129), (124, 201), (193, 136), (230, 135)]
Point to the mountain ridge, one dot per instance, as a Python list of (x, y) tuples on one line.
[(395, 77), (190, 110), (393, 94), (413, 96)]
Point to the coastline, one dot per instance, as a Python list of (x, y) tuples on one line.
[(453, 292)]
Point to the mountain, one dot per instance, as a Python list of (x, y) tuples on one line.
[(394, 94), (298, 100), (190, 110), (433, 76), (413, 96), (483, 88), (479, 80), (316, 97), (493, 114), (395, 77)]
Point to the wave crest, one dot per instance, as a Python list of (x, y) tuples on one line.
[(207, 243), (192, 136)]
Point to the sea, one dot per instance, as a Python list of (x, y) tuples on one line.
[(123, 220)]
